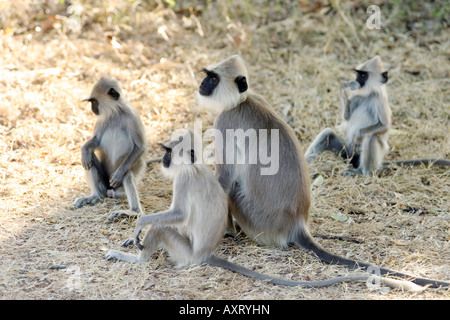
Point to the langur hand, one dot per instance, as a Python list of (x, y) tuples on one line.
[(352, 85), (116, 178), (86, 160), (358, 138), (137, 232)]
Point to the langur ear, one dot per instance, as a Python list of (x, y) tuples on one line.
[(241, 82), (384, 77), (114, 94)]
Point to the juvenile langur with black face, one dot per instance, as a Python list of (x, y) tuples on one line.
[(366, 123), (114, 158), (192, 228), (366, 120), (272, 209)]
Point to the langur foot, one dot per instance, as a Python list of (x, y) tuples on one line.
[(121, 256), (78, 203), (121, 214), (128, 242), (234, 236), (112, 255), (234, 232), (134, 241), (117, 193), (351, 172), (310, 158), (137, 241)]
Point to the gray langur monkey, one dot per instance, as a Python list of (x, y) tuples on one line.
[(272, 209), (195, 223), (114, 158), (366, 123)]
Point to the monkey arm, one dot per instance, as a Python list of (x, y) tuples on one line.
[(87, 152), (168, 217), (171, 216), (344, 100), (352, 85), (175, 215), (118, 175), (376, 128)]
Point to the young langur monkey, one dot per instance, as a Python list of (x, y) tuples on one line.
[(195, 223), (272, 209), (114, 158), (366, 123)]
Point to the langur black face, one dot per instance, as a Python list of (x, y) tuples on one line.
[(94, 106), (169, 156), (362, 77), (167, 159), (94, 102), (210, 82), (193, 158), (212, 79)]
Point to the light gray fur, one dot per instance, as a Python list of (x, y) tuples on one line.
[(194, 225), (271, 209), (191, 229), (366, 122), (116, 150)]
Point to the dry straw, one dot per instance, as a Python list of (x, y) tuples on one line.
[(297, 54)]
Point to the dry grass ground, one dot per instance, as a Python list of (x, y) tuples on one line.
[(297, 54)]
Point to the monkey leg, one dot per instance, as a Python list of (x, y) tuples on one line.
[(352, 172), (122, 256), (117, 193), (178, 247), (233, 229), (372, 155), (132, 197), (132, 193), (98, 183), (327, 140), (168, 217)]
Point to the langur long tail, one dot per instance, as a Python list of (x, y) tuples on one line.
[(369, 278), (419, 162), (305, 240), (222, 263)]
